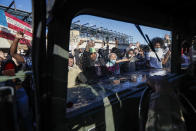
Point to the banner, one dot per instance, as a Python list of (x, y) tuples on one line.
[(9, 26)]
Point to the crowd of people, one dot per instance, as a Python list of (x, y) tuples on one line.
[(10, 64), (88, 65), (91, 63)]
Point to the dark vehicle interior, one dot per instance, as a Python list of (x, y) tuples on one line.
[(125, 110)]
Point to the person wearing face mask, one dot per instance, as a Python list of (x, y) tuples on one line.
[(113, 64), (152, 60), (130, 65), (131, 56)]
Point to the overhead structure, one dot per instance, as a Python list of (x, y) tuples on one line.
[(23, 15), (100, 33), (12, 21)]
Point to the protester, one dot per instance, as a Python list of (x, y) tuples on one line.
[(130, 65), (75, 73), (131, 55), (86, 54), (22, 99), (141, 62), (26, 60), (152, 60), (139, 54), (103, 53), (137, 45), (113, 64), (78, 54), (2, 57), (167, 41), (120, 53), (92, 67), (166, 48), (131, 46), (89, 62)]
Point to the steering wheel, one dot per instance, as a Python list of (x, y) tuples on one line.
[(144, 106)]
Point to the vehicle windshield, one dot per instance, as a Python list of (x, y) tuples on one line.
[(107, 56)]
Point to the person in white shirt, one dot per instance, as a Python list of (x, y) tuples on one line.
[(152, 60)]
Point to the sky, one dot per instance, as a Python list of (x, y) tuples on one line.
[(25, 5), (122, 27)]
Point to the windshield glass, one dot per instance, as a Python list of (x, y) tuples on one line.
[(108, 56)]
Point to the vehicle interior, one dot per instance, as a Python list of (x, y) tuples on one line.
[(123, 110)]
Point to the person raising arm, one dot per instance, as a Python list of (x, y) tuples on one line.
[(13, 48)]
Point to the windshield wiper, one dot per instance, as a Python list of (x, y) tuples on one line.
[(147, 40)]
